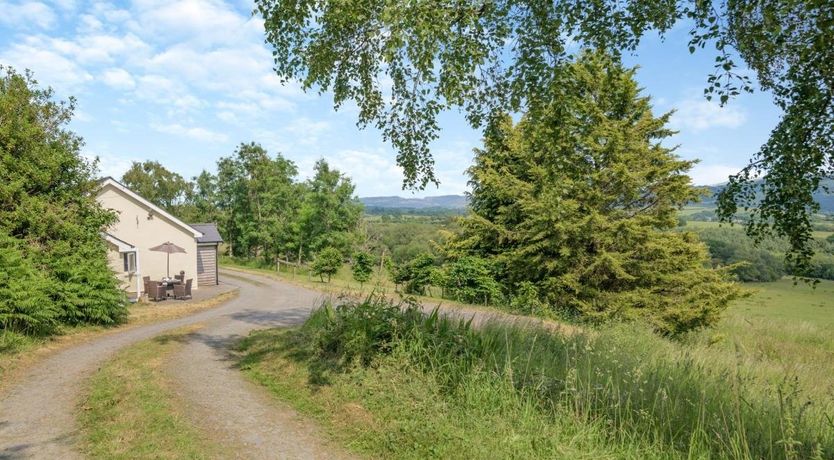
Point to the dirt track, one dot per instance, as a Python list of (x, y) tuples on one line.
[(37, 414)]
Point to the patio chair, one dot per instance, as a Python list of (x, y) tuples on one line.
[(146, 281), (182, 291), (157, 292)]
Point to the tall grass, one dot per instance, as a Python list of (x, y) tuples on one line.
[(626, 386)]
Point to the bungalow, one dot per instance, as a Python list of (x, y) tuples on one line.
[(141, 226)]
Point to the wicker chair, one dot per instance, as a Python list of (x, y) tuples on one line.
[(182, 291), (157, 292)]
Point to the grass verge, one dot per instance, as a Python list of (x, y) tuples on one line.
[(398, 384), (130, 411)]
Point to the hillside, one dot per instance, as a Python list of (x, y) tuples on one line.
[(824, 198), (397, 202)]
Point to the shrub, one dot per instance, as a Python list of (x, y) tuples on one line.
[(25, 306), (363, 267), (327, 263), (526, 300), (415, 275), (469, 279)]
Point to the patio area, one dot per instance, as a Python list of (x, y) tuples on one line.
[(197, 295)]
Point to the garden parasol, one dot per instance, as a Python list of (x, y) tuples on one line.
[(168, 248)]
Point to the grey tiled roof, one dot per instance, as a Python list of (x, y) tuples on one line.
[(210, 233)]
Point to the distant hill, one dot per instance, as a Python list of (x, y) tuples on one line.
[(826, 200), (456, 202)]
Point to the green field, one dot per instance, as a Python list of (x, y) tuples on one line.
[(695, 225), (783, 331), (788, 303)]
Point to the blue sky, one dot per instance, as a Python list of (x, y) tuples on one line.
[(184, 82)]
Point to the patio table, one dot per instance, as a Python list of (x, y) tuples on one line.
[(169, 284)]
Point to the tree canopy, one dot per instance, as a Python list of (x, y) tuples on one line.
[(258, 200), (157, 184), (405, 62), (264, 211), (581, 200)]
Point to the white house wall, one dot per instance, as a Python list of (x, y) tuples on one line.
[(144, 229)]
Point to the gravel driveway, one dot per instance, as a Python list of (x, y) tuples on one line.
[(37, 414)]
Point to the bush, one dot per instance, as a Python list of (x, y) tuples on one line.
[(25, 306), (355, 332), (416, 275), (363, 267), (327, 263), (527, 300), (469, 279)]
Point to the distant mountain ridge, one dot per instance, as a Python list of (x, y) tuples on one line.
[(825, 199), (398, 202), (460, 202)]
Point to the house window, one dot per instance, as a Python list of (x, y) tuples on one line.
[(130, 262)]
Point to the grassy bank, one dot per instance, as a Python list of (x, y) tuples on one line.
[(783, 328), (130, 412), (400, 385)]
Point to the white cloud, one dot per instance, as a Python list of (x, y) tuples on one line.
[(305, 131), (108, 163), (166, 91), (66, 5), (193, 132), (118, 79), (203, 23), (372, 173), (92, 48), (712, 174), (228, 117), (697, 114), (25, 14), (51, 68)]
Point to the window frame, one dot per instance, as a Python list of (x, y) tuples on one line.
[(128, 258)]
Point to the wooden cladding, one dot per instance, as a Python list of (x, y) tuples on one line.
[(207, 265)]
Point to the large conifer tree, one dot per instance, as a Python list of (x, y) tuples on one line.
[(582, 202)]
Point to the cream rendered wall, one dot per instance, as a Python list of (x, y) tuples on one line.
[(136, 228), (115, 260)]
